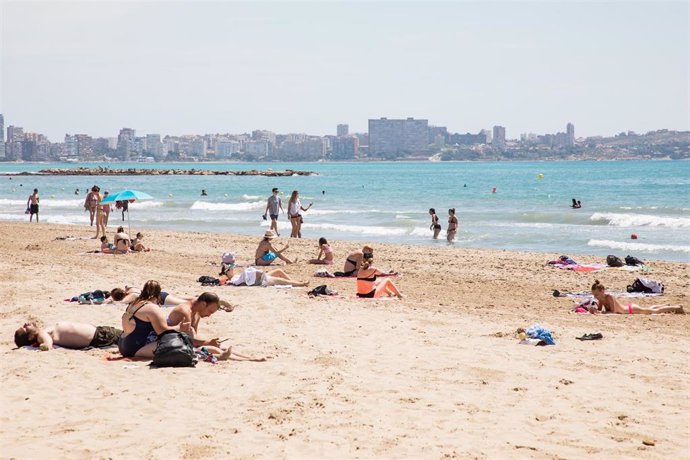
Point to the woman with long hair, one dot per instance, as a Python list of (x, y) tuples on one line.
[(143, 321), (368, 284), (435, 226), (294, 208), (452, 225)]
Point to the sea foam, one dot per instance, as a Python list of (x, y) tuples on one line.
[(639, 220), (209, 206), (645, 247)]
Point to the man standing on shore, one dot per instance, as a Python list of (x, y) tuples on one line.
[(32, 205), (273, 207)]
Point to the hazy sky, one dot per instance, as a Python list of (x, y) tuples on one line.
[(204, 67)]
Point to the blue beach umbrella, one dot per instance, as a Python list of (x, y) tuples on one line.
[(127, 195)]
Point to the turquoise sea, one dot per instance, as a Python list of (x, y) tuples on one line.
[(389, 202)]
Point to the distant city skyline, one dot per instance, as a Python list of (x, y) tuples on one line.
[(230, 67)]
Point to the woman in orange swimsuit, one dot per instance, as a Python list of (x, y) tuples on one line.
[(611, 305), (368, 286)]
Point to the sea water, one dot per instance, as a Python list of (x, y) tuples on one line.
[(389, 202)]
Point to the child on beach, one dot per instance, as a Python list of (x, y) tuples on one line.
[(32, 205), (325, 251), (138, 245), (106, 248), (611, 305)]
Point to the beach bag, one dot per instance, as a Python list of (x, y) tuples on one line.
[(646, 286), (614, 261), (174, 349), (208, 281), (634, 261), (321, 290)]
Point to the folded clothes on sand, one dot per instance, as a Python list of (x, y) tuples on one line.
[(538, 332)]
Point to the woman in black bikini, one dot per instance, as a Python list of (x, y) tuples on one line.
[(435, 226), (354, 261), (142, 323), (452, 225)]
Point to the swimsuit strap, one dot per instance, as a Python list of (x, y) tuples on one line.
[(131, 316)]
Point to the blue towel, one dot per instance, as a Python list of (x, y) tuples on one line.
[(538, 332)]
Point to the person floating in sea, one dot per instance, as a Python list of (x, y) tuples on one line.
[(273, 207), (203, 192), (611, 305), (576, 204), (325, 251), (452, 225), (76, 192), (32, 205), (66, 334), (435, 225)]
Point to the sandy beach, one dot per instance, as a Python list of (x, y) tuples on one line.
[(438, 374)]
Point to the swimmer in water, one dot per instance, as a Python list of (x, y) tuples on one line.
[(203, 192)]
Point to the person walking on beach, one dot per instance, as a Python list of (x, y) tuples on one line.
[(273, 207), (452, 225), (435, 226), (32, 205), (294, 208), (123, 205), (100, 216), (91, 202)]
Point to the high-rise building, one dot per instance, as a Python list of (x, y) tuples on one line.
[(395, 137), (570, 131), (125, 143), (2, 137), (343, 130), (154, 146), (15, 134), (498, 141), (345, 148)]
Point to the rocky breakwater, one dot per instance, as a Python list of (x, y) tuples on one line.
[(101, 171)]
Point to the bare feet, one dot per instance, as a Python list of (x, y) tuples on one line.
[(225, 355)]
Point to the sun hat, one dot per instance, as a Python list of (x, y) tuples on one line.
[(228, 258), (269, 234)]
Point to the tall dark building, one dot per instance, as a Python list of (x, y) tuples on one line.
[(395, 137), (342, 130), (498, 141), (2, 137), (570, 131)]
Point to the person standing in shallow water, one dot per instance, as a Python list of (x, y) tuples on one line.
[(452, 225), (91, 202), (435, 225), (32, 205)]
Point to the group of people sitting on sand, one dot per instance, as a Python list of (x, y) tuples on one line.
[(123, 244), (143, 321)]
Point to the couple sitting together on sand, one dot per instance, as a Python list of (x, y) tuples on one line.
[(123, 244), (142, 323), (606, 303), (361, 264)]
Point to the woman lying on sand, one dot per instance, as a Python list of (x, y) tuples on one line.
[(367, 284), (255, 277), (129, 294), (611, 305)]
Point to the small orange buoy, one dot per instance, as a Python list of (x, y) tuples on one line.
[(633, 236), (493, 190)]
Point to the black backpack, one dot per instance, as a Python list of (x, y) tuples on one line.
[(630, 260), (646, 286), (175, 349), (614, 261), (321, 290)]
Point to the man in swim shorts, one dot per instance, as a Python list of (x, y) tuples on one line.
[(66, 334), (32, 205), (273, 207)]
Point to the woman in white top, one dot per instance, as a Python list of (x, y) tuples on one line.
[(294, 208)]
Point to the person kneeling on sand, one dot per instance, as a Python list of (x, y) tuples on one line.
[(202, 307), (266, 253), (367, 284), (143, 322), (66, 334), (255, 277), (611, 305)]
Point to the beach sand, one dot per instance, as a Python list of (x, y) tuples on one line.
[(439, 374)]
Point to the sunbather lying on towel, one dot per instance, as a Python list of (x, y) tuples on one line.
[(129, 294), (611, 305), (66, 334)]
